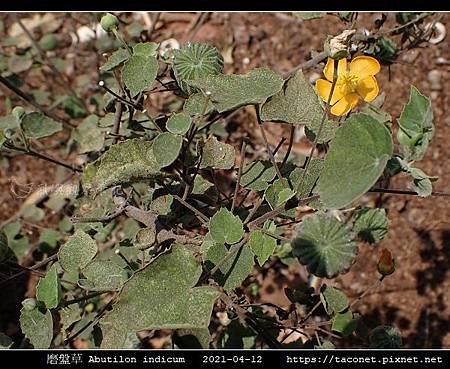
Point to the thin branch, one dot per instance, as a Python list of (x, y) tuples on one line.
[(238, 181), (30, 100), (117, 119), (266, 143), (291, 143), (406, 192)]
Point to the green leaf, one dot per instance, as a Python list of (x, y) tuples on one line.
[(344, 323), (297, 103), (88, 135), (324, 245), (103, 275), (146, 49), (333, 300), (36, 324), (422, 183), (124, 162), (139, 73), (69, 315), (416, 126), (225, 227), (309, 15), (262, 244), (357, 157), (116, 59), (77, 252), (278, 193), (179, 123), (198, 105), (73, 108), (145, 238), (385, 337), (48, 289), (304, 185), (194, 61), (5, 341), (233, 271), (228, 92), (257, 175), (160, 296), (192, 338), (217, 155), (166, 148), (371, 225), (37, 125)]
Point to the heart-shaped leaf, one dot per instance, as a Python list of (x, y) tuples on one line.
[(333, 299), (416, 126), (37, 125), (225, 227), (139, 73), (357, 157), (77, 252), (116, 59), (48, 289), (228, 92), (297, 103), (324, 245), (166, 148), (262, 244), (37, 324), (160, 296), (371, 225), (127, 161)]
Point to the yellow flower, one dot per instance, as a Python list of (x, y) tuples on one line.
[(352, 83)]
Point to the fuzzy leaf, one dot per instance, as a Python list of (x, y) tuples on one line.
[(257, 175), (304, 187), (232, 91), (179, 123), (385, 337), (103, 275), (88, 135), (139, 73), (166, 148), (324, 245), (217, 155), (262, 244), (198, 105), (124, 162), (233, 271), (48, 289), (416, 126), (37, 324), (146, 49), (333, 300), (160, 296), (77, 252), (357, 157), (297, 103), (278, 193), (225, 227), (344, 323), (371, 224), (116, 59), (37, 125)]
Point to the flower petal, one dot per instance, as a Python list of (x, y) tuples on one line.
[(328, 71), (323, 89), (367, 88), (344, 105), (364, 66)]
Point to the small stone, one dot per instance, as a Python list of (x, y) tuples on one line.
[(434, 77)]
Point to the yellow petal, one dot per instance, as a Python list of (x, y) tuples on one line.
[(367, 88), (323, 89), (328, 71), (344, 105), (364, 66)]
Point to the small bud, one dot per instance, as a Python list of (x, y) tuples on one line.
[(338, 47), (18, 112), (109, 22), (386, 264)]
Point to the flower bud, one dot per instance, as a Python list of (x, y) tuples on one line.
[(386, 264), (109, 22), (338, 47)]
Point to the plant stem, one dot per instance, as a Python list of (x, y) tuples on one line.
[(322, 122), (82, 298), (406, 192), (30, 100), (117, 119), (291, 143), (266, 143), (238, 181)]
